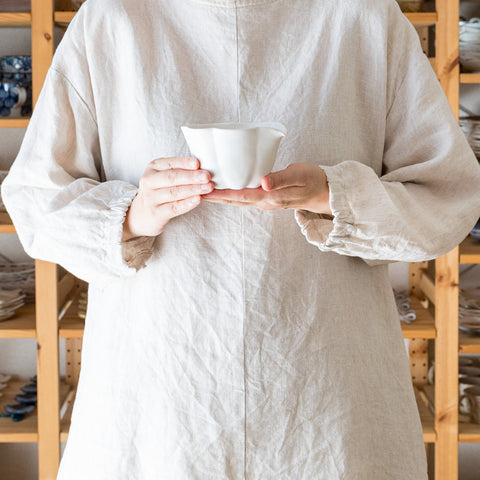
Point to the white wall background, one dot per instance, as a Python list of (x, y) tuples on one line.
[(19, 461)]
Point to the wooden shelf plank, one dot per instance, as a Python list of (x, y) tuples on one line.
[(14, 122), (15, 19), (22, 325), (469, 344), (6, 225), (423, 326), (426, 417), (470, 250), (468, 433), (64, 17), (470, 78), (423, 19)]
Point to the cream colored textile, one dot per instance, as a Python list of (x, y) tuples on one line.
[(249, 347)]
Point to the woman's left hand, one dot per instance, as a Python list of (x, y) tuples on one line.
[(300, 186)]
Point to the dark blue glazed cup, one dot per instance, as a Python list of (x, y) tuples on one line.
[(16, 63)]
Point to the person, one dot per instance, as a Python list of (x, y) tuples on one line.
[(247, 334)]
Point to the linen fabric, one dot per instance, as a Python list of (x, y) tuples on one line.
[(240, 343)]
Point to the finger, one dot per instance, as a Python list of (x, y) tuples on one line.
[(246, 195), (170, 163), (182, 192), (289, 177), (175, 209), (176, 177), (228, 202)]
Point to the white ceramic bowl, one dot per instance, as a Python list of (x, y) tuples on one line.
[(237, 155)]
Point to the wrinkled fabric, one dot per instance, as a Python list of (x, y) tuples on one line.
[(240, 343)]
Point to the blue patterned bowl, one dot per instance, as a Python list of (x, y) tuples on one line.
[(16, 64), (17, 69), (12, 99)]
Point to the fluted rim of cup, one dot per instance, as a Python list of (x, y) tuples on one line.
[(237, 126)]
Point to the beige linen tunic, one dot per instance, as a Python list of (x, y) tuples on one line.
[(253, 345)]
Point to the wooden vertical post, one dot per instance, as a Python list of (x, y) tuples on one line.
[(42, 42), (447, 271), (46, 279), (447, 50), (446, 367), (48, 370)]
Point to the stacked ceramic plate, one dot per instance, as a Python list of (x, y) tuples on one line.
[(469, 36), (18, 277), (469, 311), (10, 302)]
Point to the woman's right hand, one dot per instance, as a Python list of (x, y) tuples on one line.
[(169, 187)]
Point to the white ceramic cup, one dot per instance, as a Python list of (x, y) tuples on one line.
[(237, 155), (471, 398), (463, 384)]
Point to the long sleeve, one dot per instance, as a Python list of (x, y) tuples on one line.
[(427, 197), (62, 208)]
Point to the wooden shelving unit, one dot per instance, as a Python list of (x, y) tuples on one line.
[(436, 283), (25, 431), (469, 253), (49, 424)]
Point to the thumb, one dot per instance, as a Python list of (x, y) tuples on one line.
[(287, 177)]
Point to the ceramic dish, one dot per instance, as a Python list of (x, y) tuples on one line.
[(471, 329)]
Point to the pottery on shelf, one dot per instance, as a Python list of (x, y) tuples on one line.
[(469, 44), (15, 70)]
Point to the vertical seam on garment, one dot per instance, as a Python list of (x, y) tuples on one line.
[(238, 62), (244, 313), (244, 356)]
